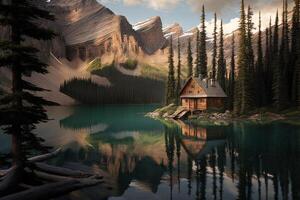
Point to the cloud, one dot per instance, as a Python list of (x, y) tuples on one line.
[(268, 11), (155, 4), (227, 6)]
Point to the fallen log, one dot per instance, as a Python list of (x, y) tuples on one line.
[(52, 190), (61, 171), (10, 180), (57, 178), (6, 171), (44, 157)]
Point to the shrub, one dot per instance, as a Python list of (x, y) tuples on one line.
[(130, 64)]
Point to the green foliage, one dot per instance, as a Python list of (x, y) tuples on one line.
[(295, 56), (152, 72), (190, 59), (178, 80), (221, 60), (95, 64), (231, 75), (130, 64), (281, 70), (197, 61), (171, 90), (259, 70), (202, 48), (268, 69), (21, 109), (242, 89), (214, 56), (125, 89)]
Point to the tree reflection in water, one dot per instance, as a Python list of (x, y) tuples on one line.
[(240, 161)]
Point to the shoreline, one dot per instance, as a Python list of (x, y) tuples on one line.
[(291, 116)]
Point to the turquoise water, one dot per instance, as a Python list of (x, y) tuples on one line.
[(149, 159)]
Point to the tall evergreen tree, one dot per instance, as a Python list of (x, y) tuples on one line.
[(281, 82), (242, 100), (221, 60), (197, 61), (275, 60), (268, 69), (189, 59), (259, 69), (171, 93), (295, 60), (250, 57), (214, 56), (178, 80), (297, 80), (295, 34), (202, 49), (21, 109), (231, 75)]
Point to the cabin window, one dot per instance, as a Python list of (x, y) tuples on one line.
[(193, 86), (190, 91)]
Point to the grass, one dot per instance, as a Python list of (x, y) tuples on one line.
[(95, 64), (153, 72), (130, 64), (170, 109)]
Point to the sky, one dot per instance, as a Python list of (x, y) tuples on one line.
[(187, 12)]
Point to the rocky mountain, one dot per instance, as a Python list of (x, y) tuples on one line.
[(87, 30), (151, 34), (91, 30), (174, 30)]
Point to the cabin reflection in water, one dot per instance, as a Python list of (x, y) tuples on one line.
[(205, 149), (199, 141)]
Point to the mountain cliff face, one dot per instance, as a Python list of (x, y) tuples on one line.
[(150, 32), (174, 30), (91, 30)]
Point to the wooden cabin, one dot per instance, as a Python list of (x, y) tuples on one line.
[(202, 94)]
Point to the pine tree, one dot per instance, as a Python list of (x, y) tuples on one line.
[(297, 80), (268, 69), (242, 94), (214, 56), (250, 57), (275, 60), (178, 83), (189, 59), (280, 79), (295, 56), (231, 75), (221, 60), (171, 93), (197, 61), (260, 86), (21, 110), (202, 49)]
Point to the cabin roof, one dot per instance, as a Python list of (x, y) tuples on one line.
[(209, 90)]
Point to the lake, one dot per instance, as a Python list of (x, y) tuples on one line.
[(149, 159)]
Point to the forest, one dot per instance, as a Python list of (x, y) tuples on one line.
[(125, 89), (256, 78), (266, 77)]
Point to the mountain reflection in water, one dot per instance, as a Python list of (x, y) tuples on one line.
[(149, 159)]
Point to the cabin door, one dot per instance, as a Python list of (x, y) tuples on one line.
[(195, 104)]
